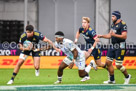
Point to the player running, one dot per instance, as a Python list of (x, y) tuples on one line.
[(34, 37), (74, 55), (91, 39), (118, 35)]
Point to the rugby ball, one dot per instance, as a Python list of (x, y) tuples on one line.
[(27, 43)]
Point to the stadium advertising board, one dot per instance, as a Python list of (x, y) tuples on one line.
[(51, 62)]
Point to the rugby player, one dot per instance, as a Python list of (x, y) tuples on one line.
[(91, 39), (118, 35), (34, 37), (74, 56)]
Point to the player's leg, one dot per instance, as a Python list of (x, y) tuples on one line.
[(109, 60), (62, 66), (111, 72), (119, 60), (82, 70), (37, 65), (92, 63), (97, 57), (36, 58), (83, 74), (21, 60)]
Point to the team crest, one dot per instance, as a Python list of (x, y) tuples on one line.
[(119, 58), (87, 33), (117, 25), (82, 31), (90, 29), (34, 39)]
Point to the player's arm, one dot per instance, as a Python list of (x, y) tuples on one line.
[(75, 54), (94, 45), (51, 43), (106, 36), (24, 49), (21, 41), (77, 36), (122, 36)]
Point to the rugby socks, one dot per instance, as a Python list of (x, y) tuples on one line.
[(86, 75), (88, 68), (111, 77), (13, 76), (127, 76), (60, 79)]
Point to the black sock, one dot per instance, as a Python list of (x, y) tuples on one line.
[(13, 76), (127, 76), (111, 77), (87, 74)]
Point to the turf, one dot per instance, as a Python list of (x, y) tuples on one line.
[(49, 76)]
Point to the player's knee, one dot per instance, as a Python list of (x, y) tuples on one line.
[(122, 69), (108, 63), (37, 67), (99, 64)]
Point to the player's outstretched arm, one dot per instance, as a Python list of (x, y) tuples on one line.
[(51, 43), (106, 36), (77, 37)]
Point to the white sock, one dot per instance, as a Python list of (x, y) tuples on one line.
[(59, 78), (88, 68)]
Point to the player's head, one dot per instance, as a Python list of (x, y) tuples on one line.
[(29, 31), (85, 22), (116, 15), (59, 36)]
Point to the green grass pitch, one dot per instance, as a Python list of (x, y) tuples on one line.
[(70, 76)]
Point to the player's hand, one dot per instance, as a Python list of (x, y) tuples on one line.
[(90, 51), (112, 33), (71, 65), (35, 50), (75, 41), (99, 36)]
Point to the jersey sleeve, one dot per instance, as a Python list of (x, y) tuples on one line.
[(92, 33), (71, 46), (81, 29), (124, 27), (22, 38), (39, 35), (56, 44)]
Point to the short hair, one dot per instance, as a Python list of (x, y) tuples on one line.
[(86, 18), (29, 28), (59, 33)]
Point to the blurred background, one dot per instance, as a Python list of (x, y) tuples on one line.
[(49, 16)]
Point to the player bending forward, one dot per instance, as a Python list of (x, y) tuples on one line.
[(34, 37), (74, 55)]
